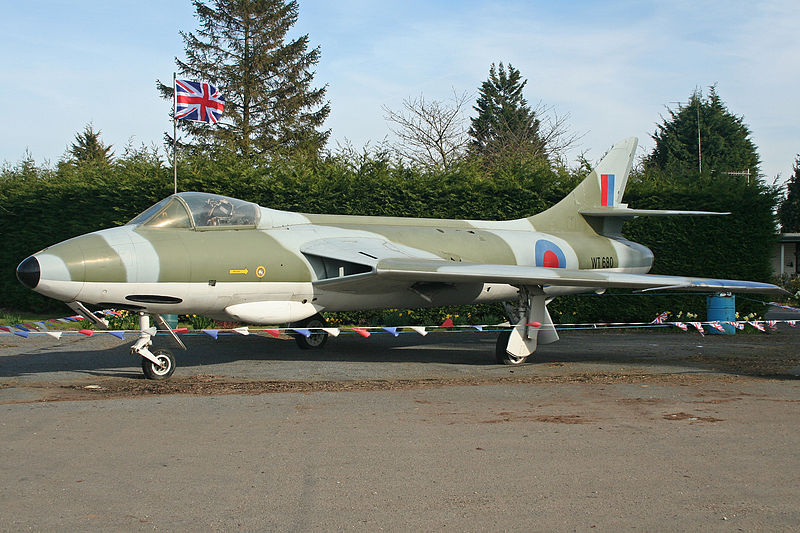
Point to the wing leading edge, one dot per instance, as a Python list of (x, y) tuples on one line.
[(431, 270)]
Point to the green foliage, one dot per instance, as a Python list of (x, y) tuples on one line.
[(271, 107), (505, 125), (726, 147), (789, 210), (88, 149)]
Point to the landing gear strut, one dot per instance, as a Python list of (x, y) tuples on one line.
[(159, 364), (533, 326)]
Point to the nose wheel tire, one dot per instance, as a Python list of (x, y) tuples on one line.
[(502, 356), (165, 370), (317, 339)]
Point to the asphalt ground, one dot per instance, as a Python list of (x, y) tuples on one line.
[(650, 430)]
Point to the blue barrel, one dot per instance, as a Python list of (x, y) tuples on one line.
[(721, 309), (171, 320)]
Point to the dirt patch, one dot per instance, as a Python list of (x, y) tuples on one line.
[(210, 385)]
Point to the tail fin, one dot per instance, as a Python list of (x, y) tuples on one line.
[(596, 203), (601, 189)]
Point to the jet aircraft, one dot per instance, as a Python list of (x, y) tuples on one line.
[(234, 260)]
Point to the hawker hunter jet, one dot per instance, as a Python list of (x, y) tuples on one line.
[(234, 260)]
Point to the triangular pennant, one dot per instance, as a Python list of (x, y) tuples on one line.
[(242, 330), (479, 328), (181, 330), (419, 329), (792, 323), (21, 334), (213, 333), (118, 334), (5, 329), (86, 332), (274, 332), (699, 327), (758, 326), (333, 332), (54, 334), (534, 324), (20, 326), (681, 325), (448, 323), (302, 331), (42, 325), (391, 330), (363, 332)]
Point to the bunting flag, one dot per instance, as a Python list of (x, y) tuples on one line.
[(699, 327), (242, 331), (333, 332), (773, 324), (419, 329), (54, 334), (363, 332), (213, 333), (302, 331), (448, 323), (792, 323), (479, 328), (756, 325), (391, 330), (739, 325), (118, 334), (660, 318), (274, 332), (681, 325), (717, 326), (87, 332)]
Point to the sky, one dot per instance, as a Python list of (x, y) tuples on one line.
[(611, 68)]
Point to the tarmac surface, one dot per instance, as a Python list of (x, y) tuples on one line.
[(650, 430)]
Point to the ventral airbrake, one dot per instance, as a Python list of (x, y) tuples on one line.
[(234, 260)]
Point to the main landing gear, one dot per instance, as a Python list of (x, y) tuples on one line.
[(158, 364), (316, 337), (533, 326)]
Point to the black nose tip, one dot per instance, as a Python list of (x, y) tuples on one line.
[(28, 272)]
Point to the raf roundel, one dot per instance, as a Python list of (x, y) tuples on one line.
[(549, 255)]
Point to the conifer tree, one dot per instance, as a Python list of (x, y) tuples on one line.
[(88, 148), (789, 209), (726, 150), (505, 124), (271, 107)]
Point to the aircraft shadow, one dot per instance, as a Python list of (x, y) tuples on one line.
[(94, 357)]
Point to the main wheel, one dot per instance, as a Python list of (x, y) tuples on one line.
[(154, 371), (502, 356), (317, 339)]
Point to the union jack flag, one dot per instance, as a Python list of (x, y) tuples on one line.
[(198, 101), (699, 327), (792, 323), (756, 325), (717, 326), (660, 318), (681, 325)]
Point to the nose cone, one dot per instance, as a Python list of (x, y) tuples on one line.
[(29, 272)]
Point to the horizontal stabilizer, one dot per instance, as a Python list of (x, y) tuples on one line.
[(632, 213)]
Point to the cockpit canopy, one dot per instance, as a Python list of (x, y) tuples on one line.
[(199, 210)]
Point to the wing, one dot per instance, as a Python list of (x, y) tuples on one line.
[(412, 270)]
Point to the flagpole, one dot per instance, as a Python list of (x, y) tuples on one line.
[(174, 135)]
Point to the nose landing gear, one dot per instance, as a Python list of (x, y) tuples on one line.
[(160, 364)]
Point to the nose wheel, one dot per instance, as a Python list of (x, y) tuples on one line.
[(164, 368)]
